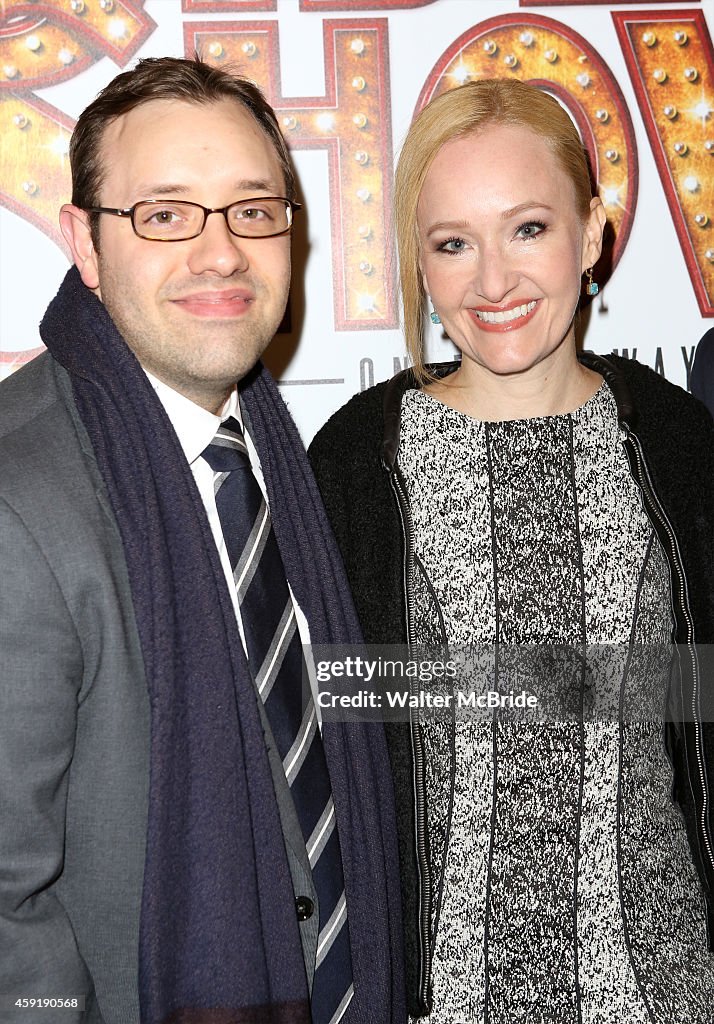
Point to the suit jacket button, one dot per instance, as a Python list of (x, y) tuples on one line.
[(304, 907)]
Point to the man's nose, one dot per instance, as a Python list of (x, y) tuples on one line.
[(218, 251)]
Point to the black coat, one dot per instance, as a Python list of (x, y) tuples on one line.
[(351, 457)]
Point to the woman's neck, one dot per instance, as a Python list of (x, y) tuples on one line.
[(544, 390)]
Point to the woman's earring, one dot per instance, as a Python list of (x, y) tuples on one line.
[(435, 318), (591, 287)]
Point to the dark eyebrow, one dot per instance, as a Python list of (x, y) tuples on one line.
[(258, 185), (162, 189), (249, 185)]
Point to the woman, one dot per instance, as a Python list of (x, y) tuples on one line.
[(527, 495)]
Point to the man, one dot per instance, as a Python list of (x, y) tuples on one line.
[(178, 841)]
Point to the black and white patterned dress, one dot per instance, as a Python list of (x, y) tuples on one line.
[(568, 894)]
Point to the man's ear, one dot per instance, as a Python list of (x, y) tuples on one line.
[(74, 224)]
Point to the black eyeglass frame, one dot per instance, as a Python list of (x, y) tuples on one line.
[(290, 208)]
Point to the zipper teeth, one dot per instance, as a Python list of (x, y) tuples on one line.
[(425, 887), (659, 513)]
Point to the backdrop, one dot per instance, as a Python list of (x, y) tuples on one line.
[(346, 77)]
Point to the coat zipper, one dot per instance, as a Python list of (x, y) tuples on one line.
[(645, 481), (423, 867)]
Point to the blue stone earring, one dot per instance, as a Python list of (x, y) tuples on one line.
[(591, 287), (435, 318)]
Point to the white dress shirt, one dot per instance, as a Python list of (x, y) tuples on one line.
[(196, 427)]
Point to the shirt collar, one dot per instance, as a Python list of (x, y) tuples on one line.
[(195, 426)]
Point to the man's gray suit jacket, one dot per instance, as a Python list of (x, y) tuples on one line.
[(74, 721), (74, 714)]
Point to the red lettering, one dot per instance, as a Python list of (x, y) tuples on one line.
[(227, 6), (352, 122), (670, 59), (552, 56), (42, 45)]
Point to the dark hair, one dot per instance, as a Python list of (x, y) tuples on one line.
[(162, 78)]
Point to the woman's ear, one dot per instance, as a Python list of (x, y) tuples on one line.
[(594, 228)]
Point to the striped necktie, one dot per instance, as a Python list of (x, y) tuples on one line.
[(276, 662)]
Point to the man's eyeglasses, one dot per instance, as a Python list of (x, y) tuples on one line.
[(162, 221)]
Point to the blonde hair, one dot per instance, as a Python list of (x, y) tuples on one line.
[(453, 114)]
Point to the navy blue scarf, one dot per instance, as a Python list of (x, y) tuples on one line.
[(219, 941)]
